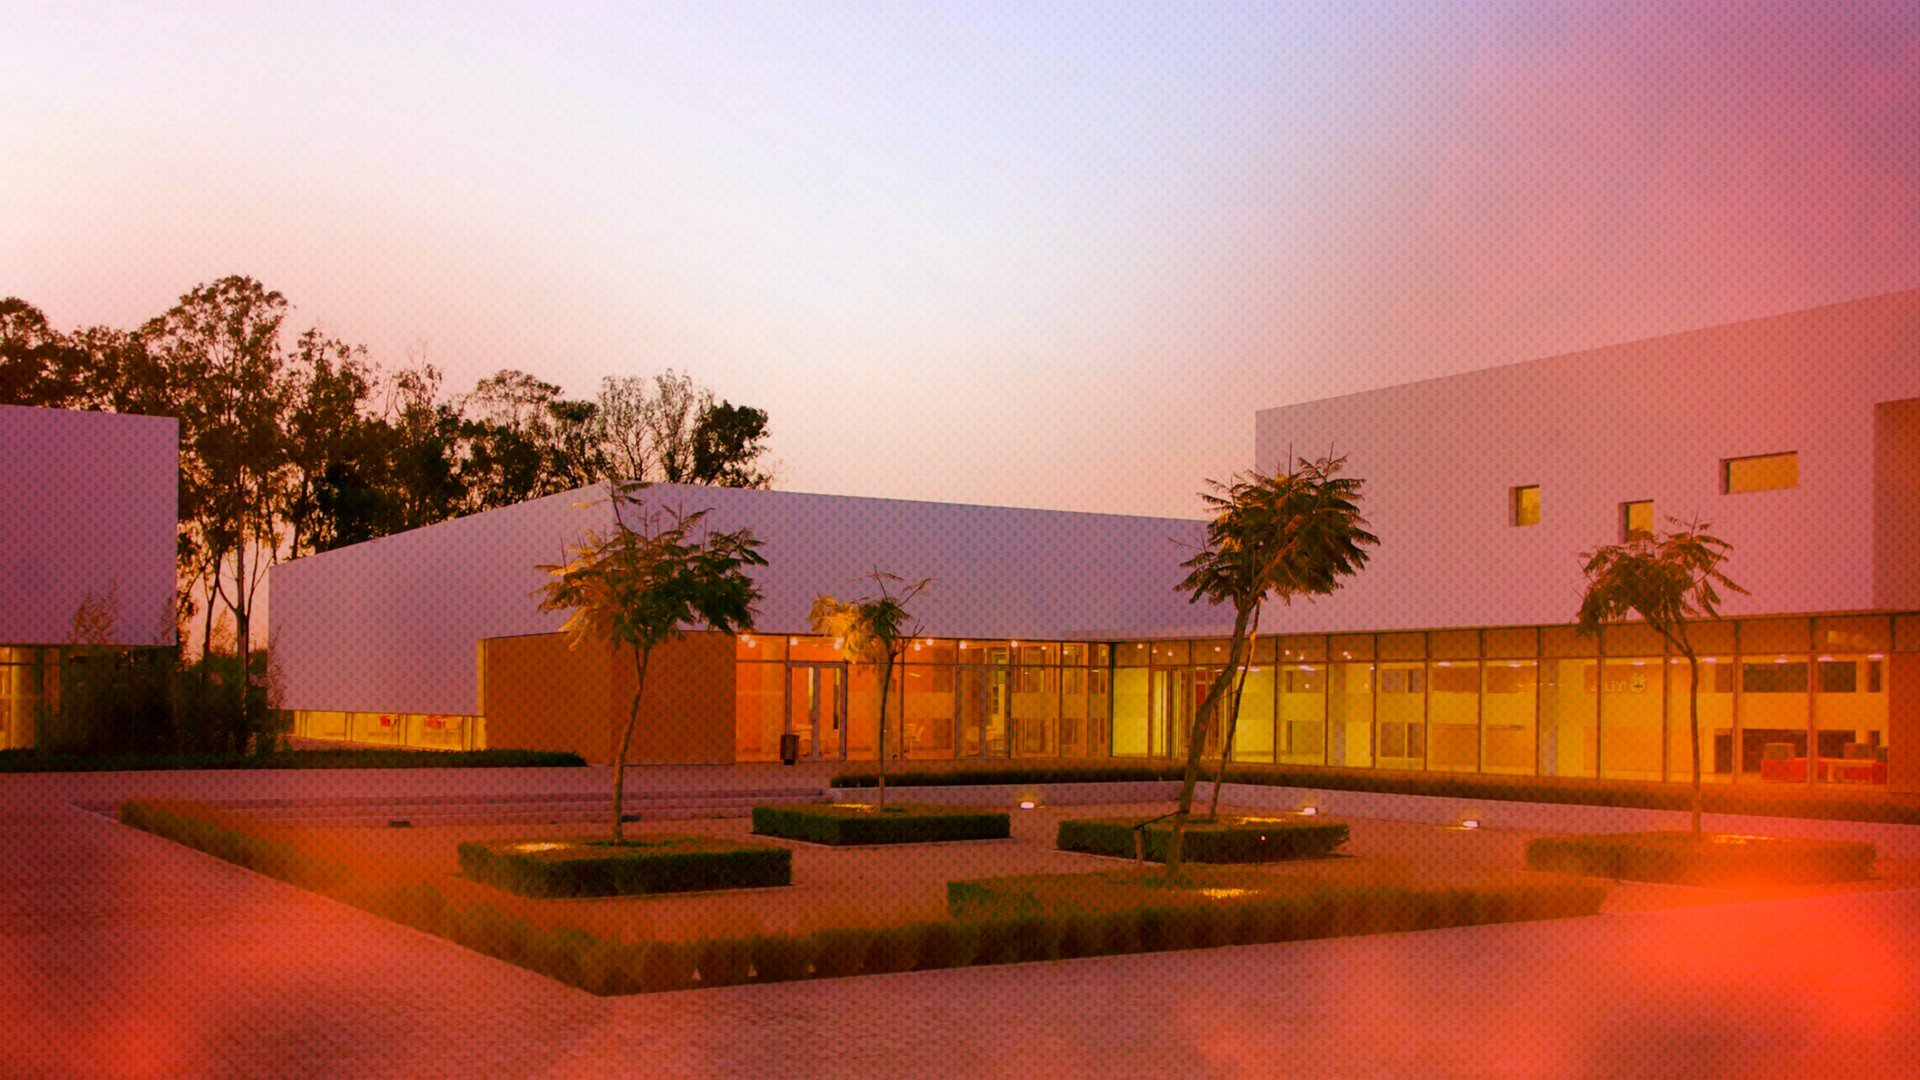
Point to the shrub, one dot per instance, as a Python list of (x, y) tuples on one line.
[(1769, 801), (723, 961), (1228, 840), (1714, 859), (655, 864), (851, 824), (780, 958), (18, 761)]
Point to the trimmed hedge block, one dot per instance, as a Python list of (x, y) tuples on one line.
[(1714, 859), (1228, 840), (860, 823), (653, 864)]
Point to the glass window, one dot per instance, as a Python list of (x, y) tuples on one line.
[(1632, 719), (1402, 646), (1867, 633), (1132, 654), (1403, 715), (1716, 719), (1521, 643), (1631, 639), (932, 651), (1775, 636), (1772, 709), (1507, 716), (1454, 644), (1906, 633), (1453, 706), (1170, 652), (1350, 715), (1525, 505), (1303, 714), (1350, 647), (1265, 650), (760, 647), (1569, 712), (1766, 472), (1850, 720), (1313, 647), (1073, 654), (1636, 519), (1566, 641), (1130, 712), (926, 718), (1253, 737)]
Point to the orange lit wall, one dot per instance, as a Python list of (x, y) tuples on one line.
[(542, 695)]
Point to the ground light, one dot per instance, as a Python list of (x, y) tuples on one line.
[(1027, 804), (1468, 823), (1308, 811)]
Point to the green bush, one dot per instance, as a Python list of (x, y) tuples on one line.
[(1715, 859), (19, 761), (852, 824), (1769, 801), (653, 864), (1228, 840)]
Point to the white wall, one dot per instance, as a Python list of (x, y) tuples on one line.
[(391, 625), (1647, 420), (87, 502)]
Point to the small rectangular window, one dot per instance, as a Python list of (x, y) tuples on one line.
[(1636, 519), (1767, 472), (1526, 505)]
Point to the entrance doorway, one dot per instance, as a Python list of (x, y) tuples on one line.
[(817, 709), (983, 711)]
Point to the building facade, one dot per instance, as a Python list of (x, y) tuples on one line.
[(88, 506), (1060, 635)]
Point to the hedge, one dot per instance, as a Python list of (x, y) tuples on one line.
[(859, 823), (652, 864), (1713, 859), (604, 966), (22, 761), (1226, 840), (1775, 800)]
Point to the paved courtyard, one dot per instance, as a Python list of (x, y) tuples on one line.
[(125, 955)]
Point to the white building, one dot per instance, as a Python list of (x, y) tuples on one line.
[(1797, 437), (87, 510)]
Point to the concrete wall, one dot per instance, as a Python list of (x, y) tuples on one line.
[(391, 625), (88, 501), (1896, 504), (687, 713), (1647, 420)]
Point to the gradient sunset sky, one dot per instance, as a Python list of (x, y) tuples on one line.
[(1006, 253)]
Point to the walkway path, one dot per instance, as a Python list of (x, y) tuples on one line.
[(124, 955)]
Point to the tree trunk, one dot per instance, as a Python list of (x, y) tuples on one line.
[(640, 657), (1196, 749), (1233, 721), (886, 677), (1693, 712), (242, 630)]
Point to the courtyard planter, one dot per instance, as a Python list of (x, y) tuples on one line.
[(846, 824), (1237, 839), (643, 866)]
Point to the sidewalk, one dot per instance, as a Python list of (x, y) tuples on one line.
[(125, 955)]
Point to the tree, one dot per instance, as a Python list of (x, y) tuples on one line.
[(727, 440), (222, 363), (1667, 578), (1290, 534), (636, 587), (873, 631)]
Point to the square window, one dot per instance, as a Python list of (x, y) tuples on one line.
[(1526, 505), (1636, 520), (1766, 472)]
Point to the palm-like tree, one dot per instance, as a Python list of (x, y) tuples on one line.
[(1666, 578), (1290, 534), (874, 631), (638, 586)]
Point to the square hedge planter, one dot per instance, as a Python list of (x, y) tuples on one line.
[(1228, 840), (846, 824), (1715, 859), (643, 866)]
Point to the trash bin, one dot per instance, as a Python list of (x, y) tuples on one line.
[(789, 748)]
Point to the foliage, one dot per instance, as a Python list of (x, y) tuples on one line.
[(1668, 578), (1120, 915), (655, 864), (854, 824), (658, 571), (1770, 801), (15, 761), (1223, 840), (1722, 860), (1290, 534), (144, 701), (874, 631)]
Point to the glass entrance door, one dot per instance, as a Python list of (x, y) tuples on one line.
[(817, 709)]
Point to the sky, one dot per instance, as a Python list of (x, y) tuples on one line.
[(1020, 254)]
